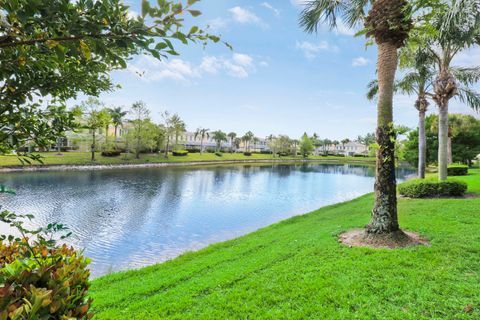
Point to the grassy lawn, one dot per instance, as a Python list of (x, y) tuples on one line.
[(83, 158), (296, 270)]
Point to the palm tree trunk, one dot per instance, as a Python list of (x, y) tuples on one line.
[(167, 146), (201, 146), (422, 145), (384, 214), (449, 151), (116, 129), (443, 140)]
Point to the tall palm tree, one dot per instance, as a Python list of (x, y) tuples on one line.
[(232, 136), (202, 133), (117, 114), (457, 28), (255, 141), (388, 23), (219, 137), (247, 138), (271, 139)]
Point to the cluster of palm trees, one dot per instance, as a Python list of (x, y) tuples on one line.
[(219, 137), (425, 36)]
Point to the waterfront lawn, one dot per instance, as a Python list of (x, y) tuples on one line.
[(296, 269), (83, 158)]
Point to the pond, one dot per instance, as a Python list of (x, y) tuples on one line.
[(129, 218)]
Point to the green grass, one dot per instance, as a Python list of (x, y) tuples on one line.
[(83, 158), (296, 270)]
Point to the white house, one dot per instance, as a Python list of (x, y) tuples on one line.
[(351, 148)]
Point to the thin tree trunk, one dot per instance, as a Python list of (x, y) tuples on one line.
[(167, 146), (384, 214), (93, 145), (116, 128), (106, 134), (422, 145), (443, 140)]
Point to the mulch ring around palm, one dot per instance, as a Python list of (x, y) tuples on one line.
[(394, 240)]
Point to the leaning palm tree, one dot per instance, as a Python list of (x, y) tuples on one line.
[(389, 24), (456, 28), (232, 136), (202, 133)]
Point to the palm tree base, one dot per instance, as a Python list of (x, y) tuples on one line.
[(391, 240)]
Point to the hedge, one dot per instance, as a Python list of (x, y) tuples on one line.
[(111, 153), (457, 170), (180, 153), (432, 189)]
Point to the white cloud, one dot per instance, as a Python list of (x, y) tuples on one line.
[(245, 16), (217, 23), (267, 5), (311, 50), (468, 58), (299, 3), (239, 65), (360, 62), (152, 69)]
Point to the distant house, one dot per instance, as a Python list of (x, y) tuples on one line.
[(351, 148)]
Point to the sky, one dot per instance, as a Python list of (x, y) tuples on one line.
[(276, 80)]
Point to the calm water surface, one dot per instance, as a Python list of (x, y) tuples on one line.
[(130, 218)]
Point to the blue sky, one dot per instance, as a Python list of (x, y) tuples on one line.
[(277, 80)]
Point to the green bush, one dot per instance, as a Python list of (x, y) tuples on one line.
[(111, 153), (193, 150), (247, 154), (431, 189), (180, 153), (457, 170), (40, 279), (219, 154)]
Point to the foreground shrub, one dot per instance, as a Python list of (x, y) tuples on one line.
[(248, 154), (431, 189), (457, 170), (219, 154), (40, 279), (193, 150), (180, 153)]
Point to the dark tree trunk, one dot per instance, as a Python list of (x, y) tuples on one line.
[(93, 145)]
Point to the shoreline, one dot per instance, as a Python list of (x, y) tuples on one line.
[(57, 167)]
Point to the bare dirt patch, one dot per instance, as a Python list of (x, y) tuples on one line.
[(399, 239)]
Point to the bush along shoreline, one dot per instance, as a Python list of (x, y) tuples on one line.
[(420, 188)]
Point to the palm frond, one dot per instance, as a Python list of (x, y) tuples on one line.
[(466, 76), (317, 12), (372, 90), (470, 97)]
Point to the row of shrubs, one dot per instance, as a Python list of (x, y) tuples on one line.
[(419, 188)]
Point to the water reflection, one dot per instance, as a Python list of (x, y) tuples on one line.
[(131, 218)]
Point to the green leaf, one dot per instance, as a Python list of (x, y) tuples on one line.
[(195, 13), (145, 8)]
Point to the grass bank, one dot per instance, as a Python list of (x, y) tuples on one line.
[(83, 159), (296, 269)]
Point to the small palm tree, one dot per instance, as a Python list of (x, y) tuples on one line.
[(178, 127), (247, 138), (118, 115), (232, 136), (219, 137), (202, 133)]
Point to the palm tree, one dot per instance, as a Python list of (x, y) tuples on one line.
[(255, 141), (457, 28), (271, 139), (117, 114), (232, 136), (219, 137), (202, 133), (178, 127), (335, 144), (246, 139), (388, 23)]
